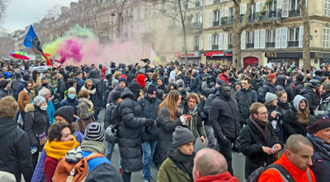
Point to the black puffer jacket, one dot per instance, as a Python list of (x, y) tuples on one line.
[(312, 98), (3, 93), (266, 87), (244, 99), (36, 122), (251, 141), (15, 150), (283, 108), (206, 108), (224, 117), (130, 132), (165, 131), (97, 83), (281, 82)]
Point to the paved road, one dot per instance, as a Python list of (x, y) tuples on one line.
[(238, 161)]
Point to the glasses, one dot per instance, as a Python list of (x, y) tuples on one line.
[(264, 114), (89, 85)]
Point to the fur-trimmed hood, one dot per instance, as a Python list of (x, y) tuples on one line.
[(90, 91), (86, 101), (29, 108)]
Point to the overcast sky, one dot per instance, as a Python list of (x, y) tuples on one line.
[(21, 13)]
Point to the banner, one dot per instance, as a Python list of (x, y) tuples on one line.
[(154, 58), (31, 41)]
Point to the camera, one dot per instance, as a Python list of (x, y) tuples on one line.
[(277, 113), (147, 61)]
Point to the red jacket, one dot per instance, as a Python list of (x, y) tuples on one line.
[(272, 175), (224, 177), (223, 77), (49, 168)]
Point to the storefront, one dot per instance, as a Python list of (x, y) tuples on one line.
[(280, 58), (219, 57), (193, 57), (323, 57)]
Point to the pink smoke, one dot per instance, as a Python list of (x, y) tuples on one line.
[(70, 50)]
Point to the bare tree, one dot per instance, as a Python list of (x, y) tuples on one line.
[(6, 44), (306, 40), (3, 7), (238, 27)]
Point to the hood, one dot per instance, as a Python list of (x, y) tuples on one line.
[(86, 101), (297, 100), (29, 108), (22, 80), (160, 94), (127, 93), (281, 80), (93, 74), (92, 92), (6, 126), (133, 70)]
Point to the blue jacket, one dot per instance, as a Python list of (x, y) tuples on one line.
[(20, 87), (51, 111), (194, 83), (94, 162), (7, 74), (69, 102), (80, 83)]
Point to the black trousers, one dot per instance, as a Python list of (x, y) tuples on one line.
[(126, 176), (226, 151)]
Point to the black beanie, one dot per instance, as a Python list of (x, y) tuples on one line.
[(300, 77), (152, 89), (66, 112), (116, 96), (135, 88)]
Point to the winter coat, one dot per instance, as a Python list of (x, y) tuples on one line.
[(297, 174), (194, 83), (165, 131), (312, 98), (281, 82), (283, 108), (116, 89), (255, 81), (223, 177), (36, 122), (290, 124), (324, 106), (267, 87), (276, 120), (70, 102), (20, 87), (52, 82), (224, 77), (251, 141), (184, 93), (130, 132), (85, 109), (170, 170), (80, 83), (224, 117), (38, 81), (206, 108), (320, 158), (206, 90), (108, 114), (196, 123), (15, 150), (48, 87), (3, 93), (92, 95), (97, 83), (24, 99), (149, 110), (244, 99), (183, 77)]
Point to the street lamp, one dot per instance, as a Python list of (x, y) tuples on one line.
[(129, 15)]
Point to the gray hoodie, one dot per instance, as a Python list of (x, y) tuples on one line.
[(297, 99)]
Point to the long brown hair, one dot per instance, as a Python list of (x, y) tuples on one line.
[(170, 104), (303, 114)]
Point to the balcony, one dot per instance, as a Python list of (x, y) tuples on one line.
[(227, 21), (216, 23), (265, 16), (293, 43), (270, 44), (198, 4), (196, 48), (294, 13), (215, 47), (196, 26), (249, 45), (230, 46)]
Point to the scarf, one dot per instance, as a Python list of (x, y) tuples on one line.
[(320, 146), (57, 150), (91, 92), (183, 161), (261, 126), (119, 88), (93, 146)]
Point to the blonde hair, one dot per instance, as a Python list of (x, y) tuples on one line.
[(88, 81), (8, 107)]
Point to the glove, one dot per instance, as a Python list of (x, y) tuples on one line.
[(224, 140), (149, 121)]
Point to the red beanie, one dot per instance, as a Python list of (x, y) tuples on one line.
[(103, 70), (270, 76), (140, 80), (124, 76)]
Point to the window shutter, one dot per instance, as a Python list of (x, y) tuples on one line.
[(279, 4), (225, 42), (258, 6), (200, 42), (263, 5), (226, 12), (210, 18), (324, 36), (278, 38), (211, 1), (240, 10), (201, 18), (201, 2), (284, 39), (221, 13), (285, 8), (243, 40), (220, 41), (262, 39), (209, 45), (301, 35), (244, 9), (327, 40), (256, 39)]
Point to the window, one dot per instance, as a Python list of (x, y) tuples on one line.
[(230, 38), (270, 36), (138, 13), (215, 39), (326, 7), (325, 38), (231, 12), (216, 16), (294, 34), (250, 37), (272, 6), (294, 4), (196, 40)]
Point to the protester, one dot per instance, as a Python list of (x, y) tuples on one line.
[(122, 83), (268, 86), (50, 106), (296, 159), (14, 143), (180, 162), (211, 166), (88, 86), (311, 94), (71, 100), (4, 85), (85, 110), (324, 106), (21, 85)]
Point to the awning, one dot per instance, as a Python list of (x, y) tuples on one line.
[(218, 53)]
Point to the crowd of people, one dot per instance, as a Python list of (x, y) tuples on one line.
[(277, 117)]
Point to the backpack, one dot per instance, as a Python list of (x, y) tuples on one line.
[(71, 172), (286, 176)]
